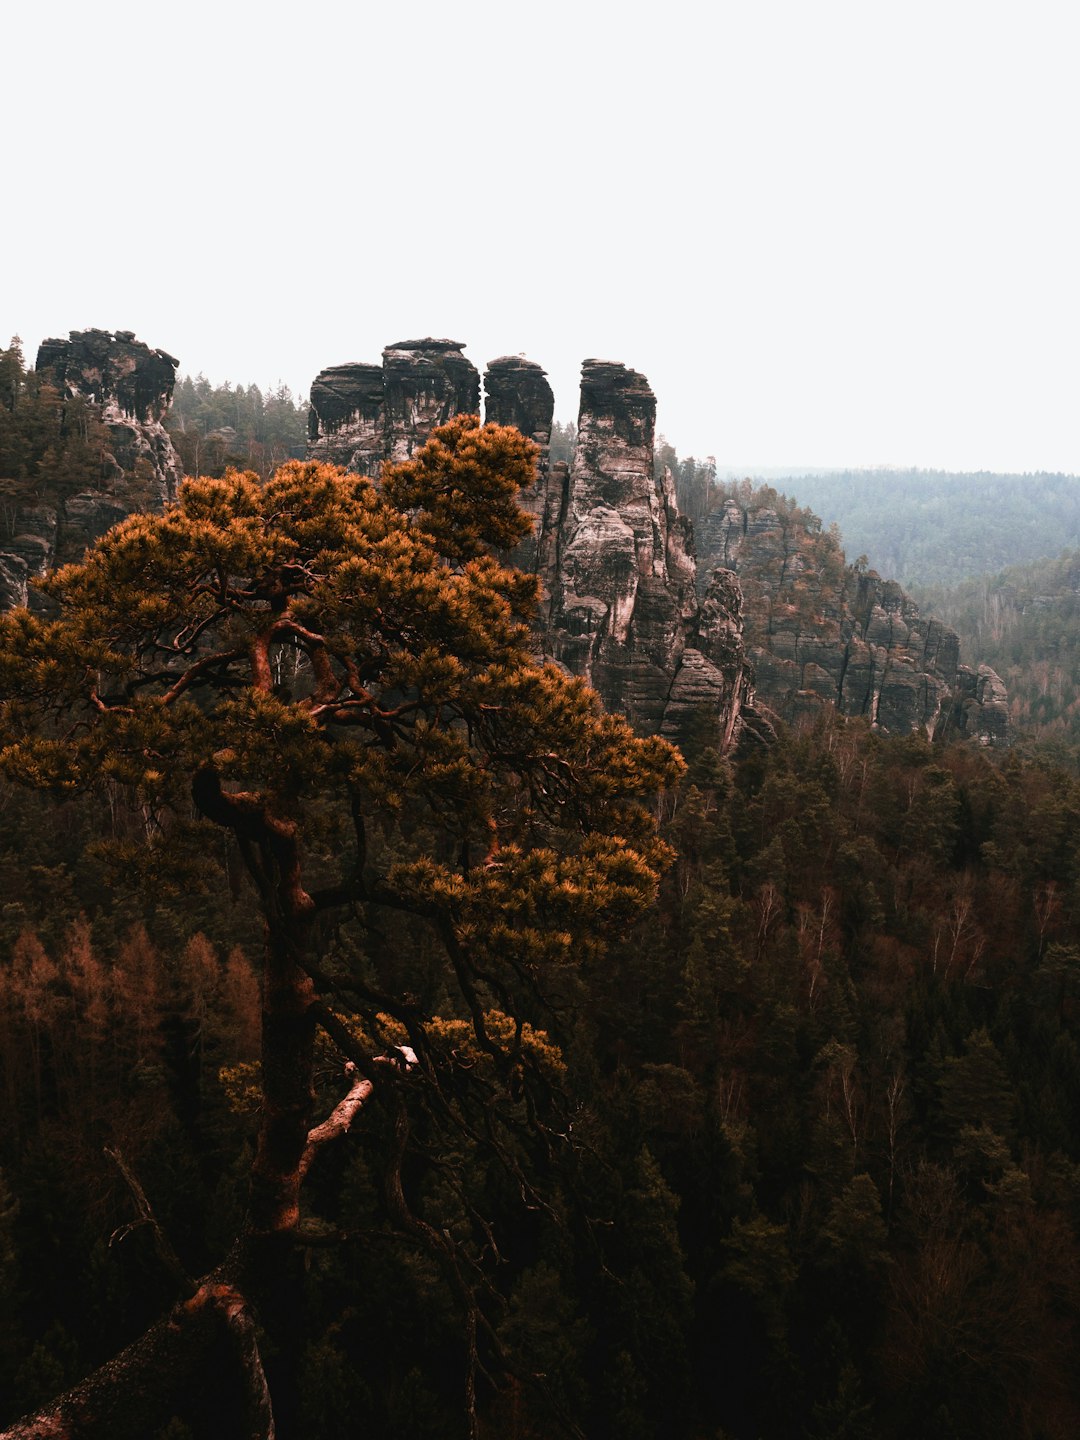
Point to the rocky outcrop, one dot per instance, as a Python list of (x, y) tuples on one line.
[(426, 382), (613, 554), (516, 392), (363, 414), (820, 631), (346, 419), (624, 611), (130, 387)]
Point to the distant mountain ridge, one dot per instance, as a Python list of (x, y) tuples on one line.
[(1025, 622), (936, 527)]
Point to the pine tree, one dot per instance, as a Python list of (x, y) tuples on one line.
[(339, 676)]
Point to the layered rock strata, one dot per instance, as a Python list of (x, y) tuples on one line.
[(516, 392), (363, 414), (346, 419), (426, 383), (129, 387), (624, 610), (820, 631)]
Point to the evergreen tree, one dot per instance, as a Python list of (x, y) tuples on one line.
[(340, 678)]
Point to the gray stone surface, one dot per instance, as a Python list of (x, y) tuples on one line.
[(426, 383), (624, 607), (363, 414), (346, 422)]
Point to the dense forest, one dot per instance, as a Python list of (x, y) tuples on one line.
[(820, 1171), (930, 527), (1025, 622), (792, 1150), (215, 426)]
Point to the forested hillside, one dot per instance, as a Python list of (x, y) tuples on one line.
[(821, 1166), (53, 446), (1025, 622), (931, 527), (47, 448)]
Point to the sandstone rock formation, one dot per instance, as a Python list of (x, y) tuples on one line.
[(427, 382), (820, 631), (516, 392), (364, 414), (129, 387), (345, 422), (614, 556), (624, 608)]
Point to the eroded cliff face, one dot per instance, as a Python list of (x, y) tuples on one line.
[(364, 414), (346, 421), (516, 392), (614, 557), (128, 387), (624, 609), (821, 631)]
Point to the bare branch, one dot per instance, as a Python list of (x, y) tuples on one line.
[(340, 1118), (165, 1252)]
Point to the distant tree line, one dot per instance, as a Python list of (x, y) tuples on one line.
[(1025, 622), (217, 426), (933, 527)]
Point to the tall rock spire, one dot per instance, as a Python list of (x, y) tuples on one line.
[(624, 607), (426, 382), (516, 392)]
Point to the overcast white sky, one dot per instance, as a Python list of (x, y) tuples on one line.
[(828, 233)]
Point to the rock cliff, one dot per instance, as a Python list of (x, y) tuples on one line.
[(821, 631), (516, 392), (130, 387), (127, 387), (346, 419), (364, 414), (614, 556), (624, 608)]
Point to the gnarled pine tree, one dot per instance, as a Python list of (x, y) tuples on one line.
[(301, 662)]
